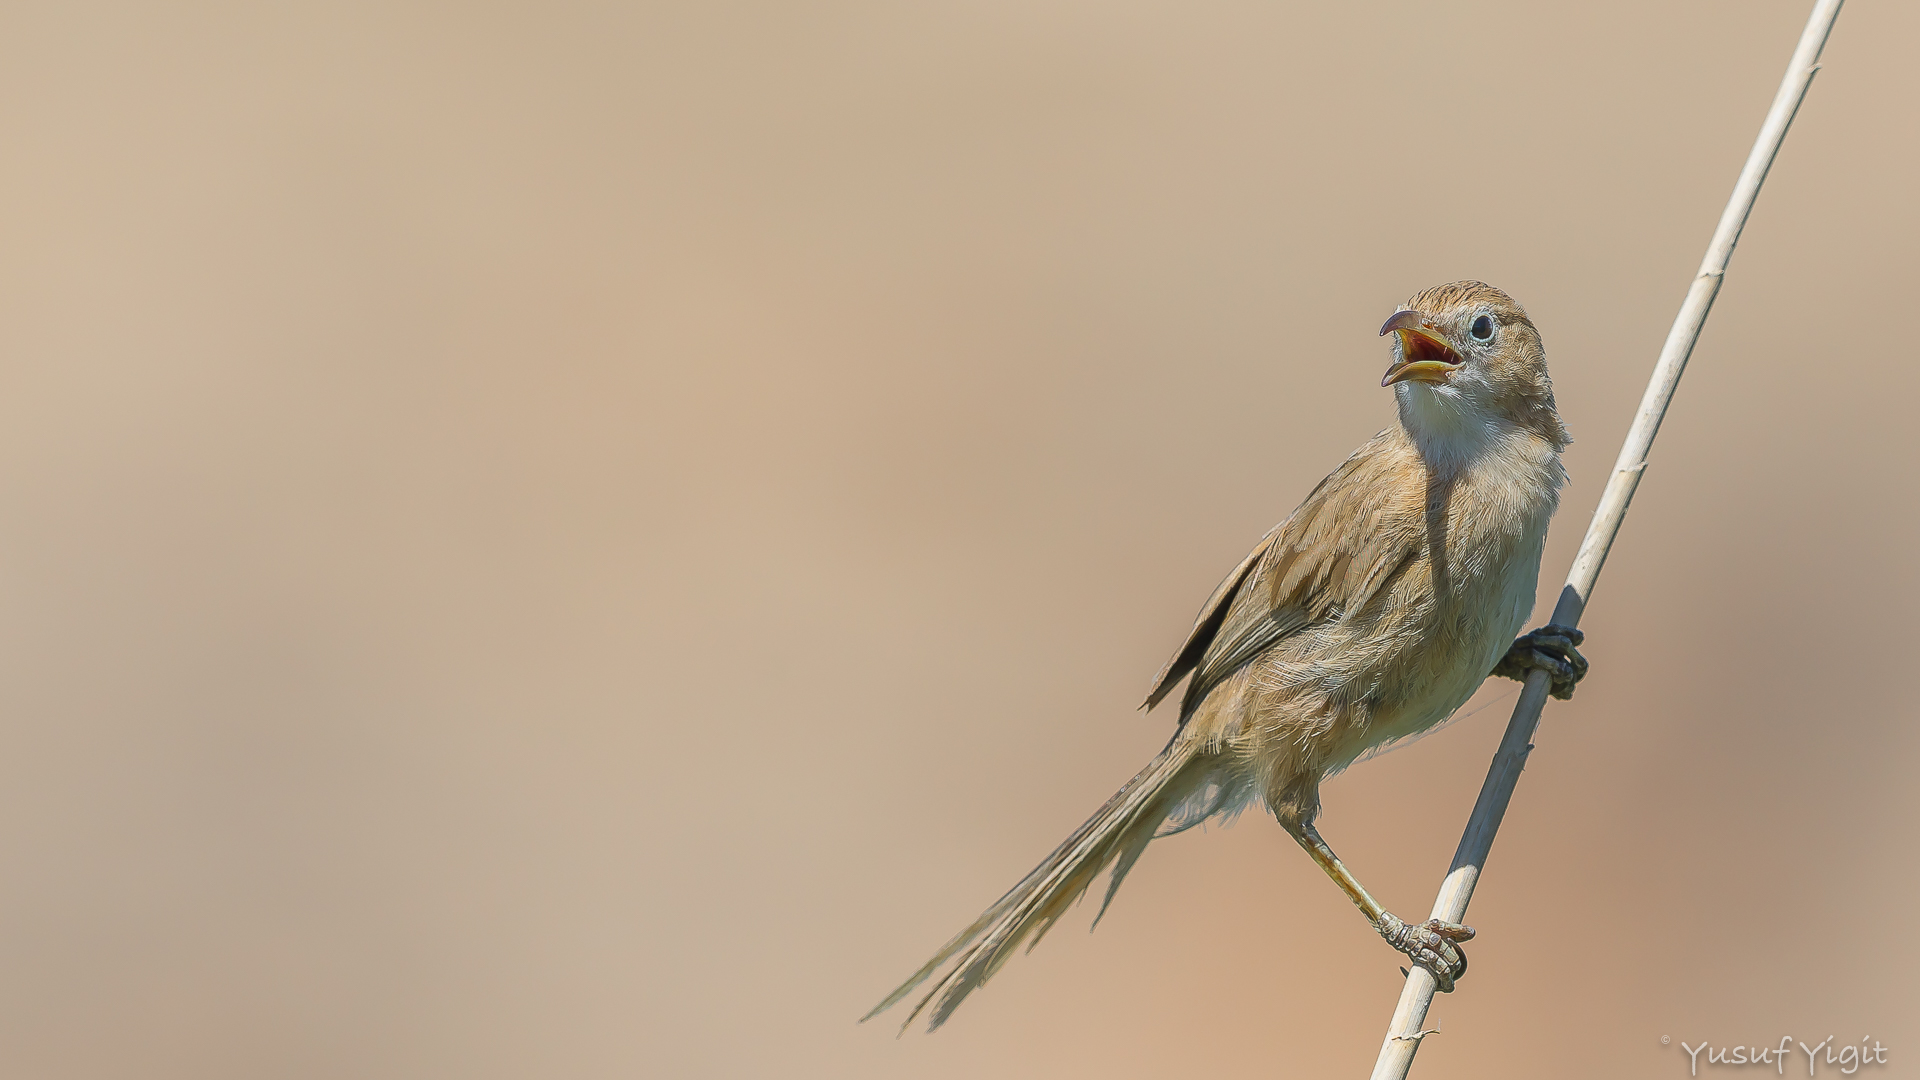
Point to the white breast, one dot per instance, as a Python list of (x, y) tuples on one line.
[(1497, 563)]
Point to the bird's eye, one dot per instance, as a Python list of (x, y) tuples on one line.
[(1482, 328)]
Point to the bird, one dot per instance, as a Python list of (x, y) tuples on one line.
[(1367, 617)]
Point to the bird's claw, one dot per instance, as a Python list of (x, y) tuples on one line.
[(1551, 649), (1433, 945)]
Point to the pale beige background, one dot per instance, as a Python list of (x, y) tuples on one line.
[(569, 541)]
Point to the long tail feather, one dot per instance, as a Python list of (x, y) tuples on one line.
[(1117, 834)]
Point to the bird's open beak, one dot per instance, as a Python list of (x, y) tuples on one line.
[(1425, 356)]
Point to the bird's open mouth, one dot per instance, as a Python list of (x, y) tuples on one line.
[(1425, 356)]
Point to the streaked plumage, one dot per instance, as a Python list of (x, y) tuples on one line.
[(1367, 616)]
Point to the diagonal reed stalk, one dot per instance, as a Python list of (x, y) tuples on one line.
[(1404, 1033)]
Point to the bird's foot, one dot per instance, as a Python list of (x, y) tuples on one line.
[(1433, 945), (1550, 649)]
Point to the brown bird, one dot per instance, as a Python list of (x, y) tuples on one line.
[(1368, 616)]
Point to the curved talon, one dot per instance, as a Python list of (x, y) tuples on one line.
[(1552, 649), (1433, 945)]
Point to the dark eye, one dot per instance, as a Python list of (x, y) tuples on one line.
[(1482, 328)]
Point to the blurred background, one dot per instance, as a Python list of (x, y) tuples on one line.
[(586, 540)]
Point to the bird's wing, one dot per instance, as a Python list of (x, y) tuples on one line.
[(1348, 539), (1207, 625)]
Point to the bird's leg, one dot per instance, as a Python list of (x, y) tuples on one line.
[(1551, 649), (1433, 945)]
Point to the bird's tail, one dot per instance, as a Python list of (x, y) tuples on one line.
[(1179, 784)]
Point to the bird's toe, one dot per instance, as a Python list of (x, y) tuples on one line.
[(1434, 945), (1553, 649)]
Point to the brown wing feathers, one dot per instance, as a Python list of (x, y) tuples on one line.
[(1306, 570)]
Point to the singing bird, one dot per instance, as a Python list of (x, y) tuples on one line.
[(1368, 616)]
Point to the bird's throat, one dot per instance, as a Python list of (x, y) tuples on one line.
[(1447, 429)]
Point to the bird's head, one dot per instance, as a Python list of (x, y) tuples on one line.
[(1466, 357)]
